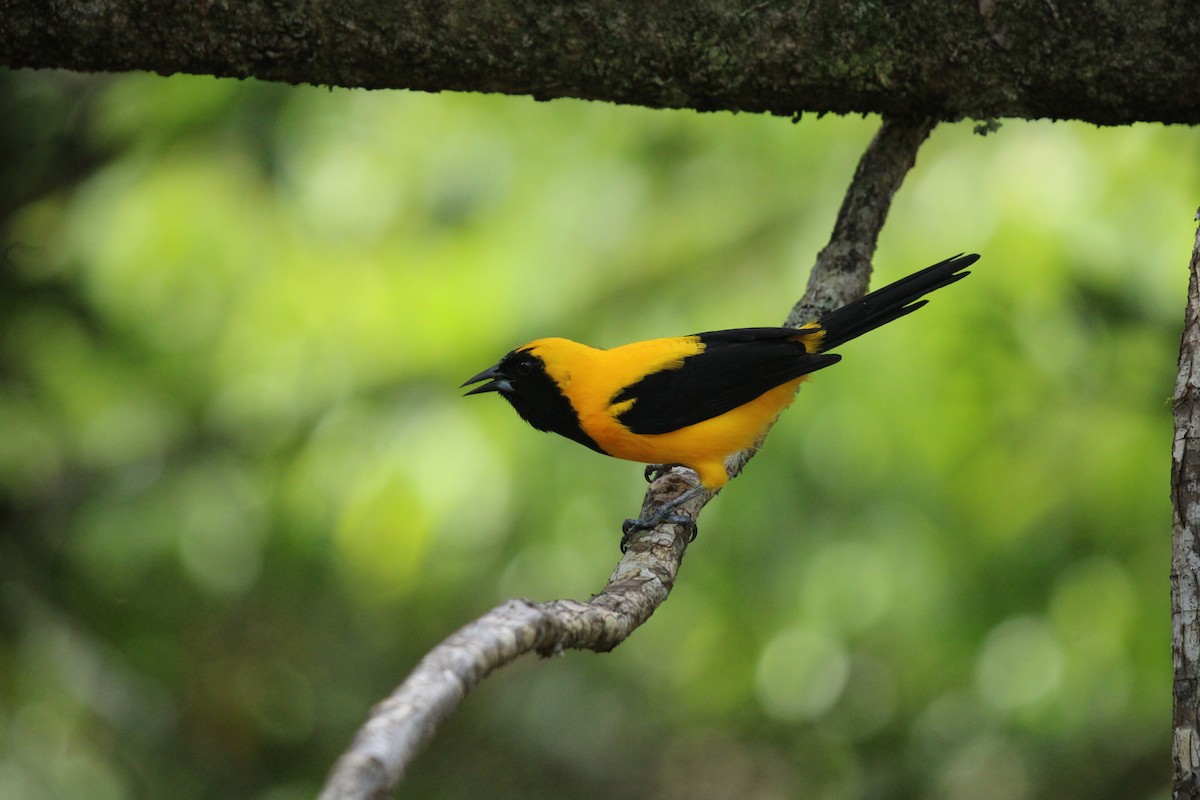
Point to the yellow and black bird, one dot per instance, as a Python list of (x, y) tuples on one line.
[(690, 400)]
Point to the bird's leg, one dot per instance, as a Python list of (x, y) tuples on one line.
[(661, 515), (655, 471)]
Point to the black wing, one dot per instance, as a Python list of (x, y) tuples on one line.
[(735, 367)]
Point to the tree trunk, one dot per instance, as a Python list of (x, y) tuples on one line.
[(1185, 549)]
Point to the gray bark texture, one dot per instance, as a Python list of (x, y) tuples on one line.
[(1104, 62), (1185, 549)]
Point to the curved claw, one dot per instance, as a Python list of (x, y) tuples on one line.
[(655, 471), (664, 513), (631, 526)]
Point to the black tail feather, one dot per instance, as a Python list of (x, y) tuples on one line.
[(891, 302)]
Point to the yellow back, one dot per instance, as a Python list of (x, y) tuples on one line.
[(591, 377)]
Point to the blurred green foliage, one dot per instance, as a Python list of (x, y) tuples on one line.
[(240, 493)]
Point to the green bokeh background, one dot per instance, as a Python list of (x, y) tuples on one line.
[(240, 494)]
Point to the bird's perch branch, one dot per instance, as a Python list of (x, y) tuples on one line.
[(1185, 549), (398, 727), (1108, 63), (842, 271)]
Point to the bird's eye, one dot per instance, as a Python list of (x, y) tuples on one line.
[(524, 366)]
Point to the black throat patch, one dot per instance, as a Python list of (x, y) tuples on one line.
[(539, 400)]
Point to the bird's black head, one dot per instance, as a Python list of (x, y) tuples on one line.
[(522, 378)]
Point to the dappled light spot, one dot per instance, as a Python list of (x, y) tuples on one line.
[(221, 530), (468, 495), (1093, 605), (113, 415), (714, 765), (948, 720), (382, 536), (868, 704), (1021, 663), (985, 767), (277, 696), (166, 265), (207, 518), (801, 674), (31, 450), (342, 194), (220, 547), (848, 585)]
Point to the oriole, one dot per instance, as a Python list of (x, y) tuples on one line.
[(691, 400)]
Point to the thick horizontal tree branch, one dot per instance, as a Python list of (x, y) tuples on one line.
[(375, 763), (1108, 63)]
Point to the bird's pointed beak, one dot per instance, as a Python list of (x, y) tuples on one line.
[(497, 381)]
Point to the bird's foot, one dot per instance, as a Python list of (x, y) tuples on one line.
[(655, 471), (632, 526), (664, 513)]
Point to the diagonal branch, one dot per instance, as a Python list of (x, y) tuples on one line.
[(843, 269), (398, 727)]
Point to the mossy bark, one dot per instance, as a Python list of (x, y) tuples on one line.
[(1109, 62)]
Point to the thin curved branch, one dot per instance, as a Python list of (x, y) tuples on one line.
[(398, 727), (1185, 549), (842, 271)]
